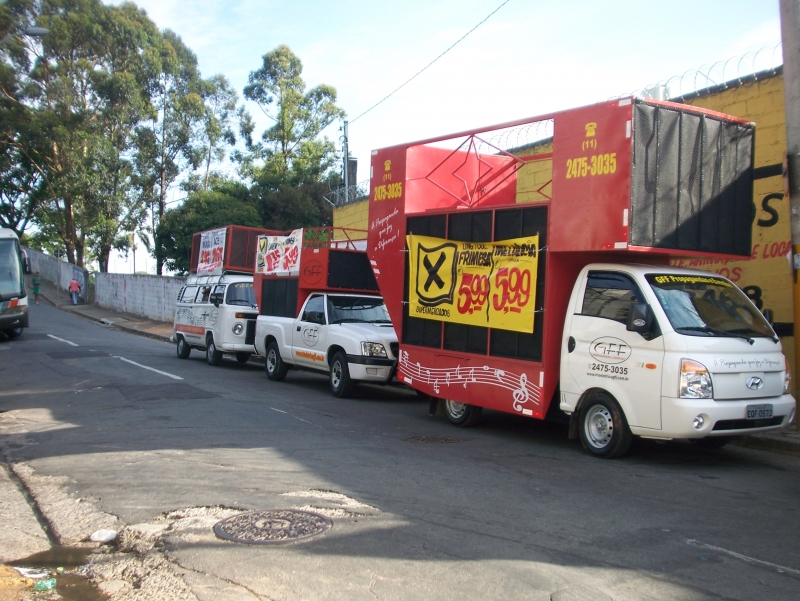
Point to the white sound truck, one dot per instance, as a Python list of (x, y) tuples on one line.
[(319, 309), (538, 274), (215, 311)]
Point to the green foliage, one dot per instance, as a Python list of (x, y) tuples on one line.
[(226, 203)]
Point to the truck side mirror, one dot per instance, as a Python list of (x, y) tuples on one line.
[(216, 298), (769, 315), (640, 318)]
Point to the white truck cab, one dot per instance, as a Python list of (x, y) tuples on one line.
[(216, 314), (348, 336), (682, 354)]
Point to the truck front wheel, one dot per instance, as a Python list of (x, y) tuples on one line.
[(341, 384), (603, 429), (182, 348), (213, 356), (461, 414), (273, 364)]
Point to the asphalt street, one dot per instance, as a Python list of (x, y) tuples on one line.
[(110, 429)]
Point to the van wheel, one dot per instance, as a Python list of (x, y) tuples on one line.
[(14, 332), (341, 384), (602, 427), (182, 348), (461, 414), (242, 357), (711, 442), (275, 367), (213, 356)]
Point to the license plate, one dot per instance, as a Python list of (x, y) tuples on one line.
[(759, 411)]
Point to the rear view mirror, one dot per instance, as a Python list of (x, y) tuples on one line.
[(640, 318), (216, 298)]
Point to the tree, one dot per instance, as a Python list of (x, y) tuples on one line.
[(218, 123), (296, 160), (226, 203), (179, 106)]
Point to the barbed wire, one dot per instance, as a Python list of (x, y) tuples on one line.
[(733, 69)]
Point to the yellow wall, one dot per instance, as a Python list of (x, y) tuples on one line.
[(354, 215), (535, 179)]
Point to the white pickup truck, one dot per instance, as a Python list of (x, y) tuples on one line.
[(348, 336)]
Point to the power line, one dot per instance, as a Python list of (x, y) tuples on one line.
[(430, 63)]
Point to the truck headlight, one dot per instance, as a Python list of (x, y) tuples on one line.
[(237, 328), (695, 381), (787, 378), (373, 349)]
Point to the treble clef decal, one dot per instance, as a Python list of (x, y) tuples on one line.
[(521, 394)]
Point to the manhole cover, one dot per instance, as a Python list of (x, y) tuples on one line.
[(272, 527), (433, 439)]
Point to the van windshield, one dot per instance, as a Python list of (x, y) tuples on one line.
[(708, 306), (10, 269), (355, 309), (241, 293)]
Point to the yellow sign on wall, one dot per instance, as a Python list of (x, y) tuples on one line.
[(488, 284)]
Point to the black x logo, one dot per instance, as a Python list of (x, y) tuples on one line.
[(433, 272)]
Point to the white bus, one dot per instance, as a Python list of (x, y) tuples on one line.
[(13, 297)]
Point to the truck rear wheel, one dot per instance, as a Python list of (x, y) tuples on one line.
[(182, 348), (602, 427), (213, 356), (273, 364), (461, 414), (341, 384)]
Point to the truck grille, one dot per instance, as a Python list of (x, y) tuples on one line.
[(746, 424), (395, 348), (250, 333)]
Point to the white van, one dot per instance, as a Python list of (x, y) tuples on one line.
[(216, 314)]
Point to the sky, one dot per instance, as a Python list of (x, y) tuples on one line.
[(531, 57)]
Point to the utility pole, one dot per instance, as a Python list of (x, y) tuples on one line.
[(790, 39), (346, 163)]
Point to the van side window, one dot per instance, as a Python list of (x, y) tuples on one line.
[(609, 295), (315, 310), (203, 294), (188, 294)]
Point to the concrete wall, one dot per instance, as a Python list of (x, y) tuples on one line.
[(148, 296), (56, 272)]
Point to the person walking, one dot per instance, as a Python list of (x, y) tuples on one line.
[(74, 290), (37, 286)]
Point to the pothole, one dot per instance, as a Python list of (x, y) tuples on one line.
[(273, 527), (432, 439), (56, 569)]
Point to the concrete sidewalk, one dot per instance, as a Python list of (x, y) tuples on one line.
[(785, 441)]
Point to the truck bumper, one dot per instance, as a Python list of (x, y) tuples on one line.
[(721, 418), (231, 347), (15, 317), (370, 369)]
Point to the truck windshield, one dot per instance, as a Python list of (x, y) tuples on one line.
[(708, 306), (353, 309), (241, 293), (10, 269)]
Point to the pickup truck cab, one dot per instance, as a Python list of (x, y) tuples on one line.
[(216, 314), (663, 352), (347, 336)]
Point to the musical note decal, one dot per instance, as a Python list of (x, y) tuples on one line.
[(522, 390)]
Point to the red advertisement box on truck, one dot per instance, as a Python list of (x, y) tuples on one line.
[(526, 265)]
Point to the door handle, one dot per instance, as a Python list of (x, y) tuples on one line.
[(298, 328), (570, 344)]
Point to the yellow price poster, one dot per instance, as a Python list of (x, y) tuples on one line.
[(488, 284)]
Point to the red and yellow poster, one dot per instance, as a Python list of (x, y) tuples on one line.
[(488, 284)]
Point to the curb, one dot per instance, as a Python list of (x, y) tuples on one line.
[(762, 443)]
